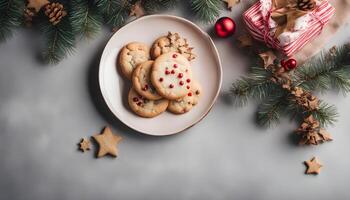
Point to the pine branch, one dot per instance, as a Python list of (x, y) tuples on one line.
[(85, 18), (60, 40), (271, 109), (115, 11), (11, 15), (326, 72), (152, 6), (257, 86), (206, 10), (326, 114)]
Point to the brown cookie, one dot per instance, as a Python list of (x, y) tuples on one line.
[(141, 80), (131, 55), (172, 43), (171, 75), (144, 107)]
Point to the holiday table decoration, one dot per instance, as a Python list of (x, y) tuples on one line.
[(313, 166), (287, 25), (288, 90), (225, 27)]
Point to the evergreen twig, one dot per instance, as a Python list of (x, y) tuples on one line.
[(85, 18), (206, 10), (60, 40), (11, 16)]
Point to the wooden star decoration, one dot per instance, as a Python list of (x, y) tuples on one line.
[(137, 10), (313, 166), (268, 57), (245, 40), (231, 3), (37, 4), (107, 142), (84, 145)]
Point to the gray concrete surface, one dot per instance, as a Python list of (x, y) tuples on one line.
[(45, 110)]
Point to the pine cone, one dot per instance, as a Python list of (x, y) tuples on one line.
[(55, 12), (306, 5), (28, 17)]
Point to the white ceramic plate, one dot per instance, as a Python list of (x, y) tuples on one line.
[(206, 69)]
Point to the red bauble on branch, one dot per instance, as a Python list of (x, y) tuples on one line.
[(289, 64), (225, 27)]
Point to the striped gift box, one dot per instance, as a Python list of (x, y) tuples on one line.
[(256, 25)]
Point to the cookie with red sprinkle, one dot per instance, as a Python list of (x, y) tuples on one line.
[(171, 73)]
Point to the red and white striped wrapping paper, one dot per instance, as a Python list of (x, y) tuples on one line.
[(256, 26)]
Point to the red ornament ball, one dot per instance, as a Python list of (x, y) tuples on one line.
[(289, 64), (225, 27)]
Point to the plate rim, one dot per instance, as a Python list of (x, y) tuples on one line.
[(215, 51)]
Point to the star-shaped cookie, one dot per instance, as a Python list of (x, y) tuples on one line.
[(313, 166), (107, 142), (231, 3), (268, 57), (84, 145)]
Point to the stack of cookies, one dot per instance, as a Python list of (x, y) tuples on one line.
[(162, 78)]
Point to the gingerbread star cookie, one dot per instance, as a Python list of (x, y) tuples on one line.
[(107, 142), (84, 145), (313, 166)]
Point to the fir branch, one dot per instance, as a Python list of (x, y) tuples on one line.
[(60, 40), (206, 10), (152, 6), (326, 72), (11, 16), (326, 114), (257, 86), (85, 18), (115, 12), (271, 109)]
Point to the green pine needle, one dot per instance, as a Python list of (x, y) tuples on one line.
[(152, 6), (206, 10), (326, 114), (60, 40), (326, 72), (271, 109), (11, 16), (257, 86), (85, 18), (115, 12)]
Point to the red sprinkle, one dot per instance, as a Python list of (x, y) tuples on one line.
[(174, 55), (188, 80), (135, 99), (172, 71), (167, 72), (180, 75), (161, 79), (188, 87), (144, 89), (146, 86), (181, 83), (139, 103), (171, 86), (189, 94), (175, 65)]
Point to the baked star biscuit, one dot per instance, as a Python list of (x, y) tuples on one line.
[(172, 43), (144, 107), (131, 55), (171, 75), (141, 80)]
